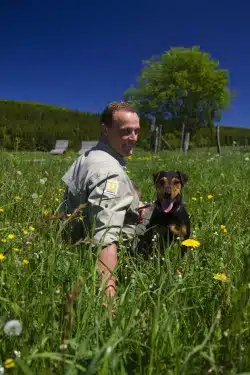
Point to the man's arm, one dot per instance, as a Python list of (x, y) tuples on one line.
[(108, 201), (106, 264)]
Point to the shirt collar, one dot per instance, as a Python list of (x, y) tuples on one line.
[(101, 145)]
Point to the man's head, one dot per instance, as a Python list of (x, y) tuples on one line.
[(120, 127)]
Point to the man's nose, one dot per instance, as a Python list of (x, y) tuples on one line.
[(133, 136)]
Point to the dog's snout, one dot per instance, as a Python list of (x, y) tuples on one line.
[(167, 194)]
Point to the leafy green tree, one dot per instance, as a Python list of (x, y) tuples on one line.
[(183, 84)]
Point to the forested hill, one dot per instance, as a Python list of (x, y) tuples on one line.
[(30, 126)]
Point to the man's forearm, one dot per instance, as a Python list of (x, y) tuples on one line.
[(106, 265)]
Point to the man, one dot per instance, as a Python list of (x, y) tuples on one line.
[(99, 182)]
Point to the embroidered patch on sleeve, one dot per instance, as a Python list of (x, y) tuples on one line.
[(111, 187)]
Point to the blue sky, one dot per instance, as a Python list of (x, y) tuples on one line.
[(85, 54)]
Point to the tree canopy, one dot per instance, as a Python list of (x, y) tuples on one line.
[(183, 84)]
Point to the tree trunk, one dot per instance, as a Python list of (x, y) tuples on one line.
[(156, 139), (218, 139), (182, 137), (186, 142)]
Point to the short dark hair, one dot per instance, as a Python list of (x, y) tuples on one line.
[(107, 114)]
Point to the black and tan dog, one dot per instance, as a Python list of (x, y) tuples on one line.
[(168, 217)]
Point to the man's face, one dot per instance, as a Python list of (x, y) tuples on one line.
[(123, 134)]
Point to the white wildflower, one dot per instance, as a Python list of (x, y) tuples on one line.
[(43, 180), (19, 173), (34, 195), (13, 328), (1, 370)]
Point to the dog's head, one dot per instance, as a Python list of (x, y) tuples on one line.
[(169, 186)]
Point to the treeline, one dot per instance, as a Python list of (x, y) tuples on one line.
[(33, 126)]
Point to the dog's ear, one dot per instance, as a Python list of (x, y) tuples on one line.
[(155, 177), (183, 177)]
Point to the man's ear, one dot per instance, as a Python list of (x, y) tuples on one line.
[(183, 177)]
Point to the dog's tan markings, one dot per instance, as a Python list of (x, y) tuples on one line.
[(176, 187), (180, 231)]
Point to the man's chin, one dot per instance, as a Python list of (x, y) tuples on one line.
[(127, 152)]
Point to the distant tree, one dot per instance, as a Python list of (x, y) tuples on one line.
[(183, 84)]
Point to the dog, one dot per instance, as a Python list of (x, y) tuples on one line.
[(168, 217)]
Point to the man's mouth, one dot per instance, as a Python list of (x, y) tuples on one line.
[(167, 205)]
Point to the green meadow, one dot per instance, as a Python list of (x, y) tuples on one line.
[(163, 322)]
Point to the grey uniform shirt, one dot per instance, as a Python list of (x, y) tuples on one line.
[(99, 180)]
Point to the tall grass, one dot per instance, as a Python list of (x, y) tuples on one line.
[(163, 323)]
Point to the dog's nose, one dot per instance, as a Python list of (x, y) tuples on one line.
[(167, 195)]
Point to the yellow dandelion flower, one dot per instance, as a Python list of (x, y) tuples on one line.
[(11, 236), (191, 243), (222, 227), (17, 198), (9, 363), (194, 199), (46, 213), (68, 215), (15, 249), (25, 261), (32, 229), (220, 277), (60, 190), (2, 257), (210, 196), (129, 157), (25, 232), (3, 240), (1, 209)]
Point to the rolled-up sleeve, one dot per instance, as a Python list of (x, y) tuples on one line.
[(108, 200)]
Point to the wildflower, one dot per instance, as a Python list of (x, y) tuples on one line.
[(129, 157), (17, 198), (223, 228), (3, 240), (201, 198), (2, 257), (68, 215), (1, 209), (60, 190), (46, 213), (25, 232), (13, 328), (34, 196), (1, 370), (9, 363), (19, 173), (11, 236), (15, 249), (191, 243), (57, 200), (32, 229), (43, 180), (25, 261), (210, 196), (220, 277), (194, 199)]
